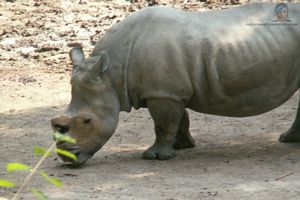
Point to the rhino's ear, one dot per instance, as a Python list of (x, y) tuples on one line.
[(76, 55), (103, 63)]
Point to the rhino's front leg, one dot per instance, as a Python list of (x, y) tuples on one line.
[(167, 115), (293, 134)]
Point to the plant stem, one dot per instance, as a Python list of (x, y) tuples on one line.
[(33, 171)]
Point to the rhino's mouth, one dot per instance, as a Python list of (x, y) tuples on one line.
[(81, 156)]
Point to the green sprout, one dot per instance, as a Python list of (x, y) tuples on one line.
[(38, 151)]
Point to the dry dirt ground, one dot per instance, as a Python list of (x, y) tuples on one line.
[(235, 158)]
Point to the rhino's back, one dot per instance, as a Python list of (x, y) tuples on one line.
[(216, 62)]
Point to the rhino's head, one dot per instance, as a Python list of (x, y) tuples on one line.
[(92, 115)]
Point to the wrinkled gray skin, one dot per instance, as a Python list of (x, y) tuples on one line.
[(168, 60)]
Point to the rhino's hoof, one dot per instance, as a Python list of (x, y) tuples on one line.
[(178, 144), (289, 137), (159, 152)]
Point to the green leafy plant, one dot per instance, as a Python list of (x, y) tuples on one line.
[(6, 183), (40, 195), (10, 167), (39, 151)]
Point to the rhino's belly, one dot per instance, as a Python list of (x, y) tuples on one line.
[(249, 104)]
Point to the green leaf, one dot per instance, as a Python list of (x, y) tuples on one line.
[(40, 195), (40, 151), (10, 167), (66, 154), (6, 183), (61, 137), (51, 180), (3, 198)]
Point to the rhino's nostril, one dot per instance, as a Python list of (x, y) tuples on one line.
[(62, 128), (61, 124), (87, 121)]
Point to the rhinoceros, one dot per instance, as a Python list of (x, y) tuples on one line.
[(235, 62)]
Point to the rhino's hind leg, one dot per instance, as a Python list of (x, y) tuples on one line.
[(183, 137), (167, 115), (293, 134), (290, 136)]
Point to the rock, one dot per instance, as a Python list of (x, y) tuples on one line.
[(47, 47), (8, 41), (27, 50)]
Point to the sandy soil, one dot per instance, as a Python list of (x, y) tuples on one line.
[(235, 158)]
